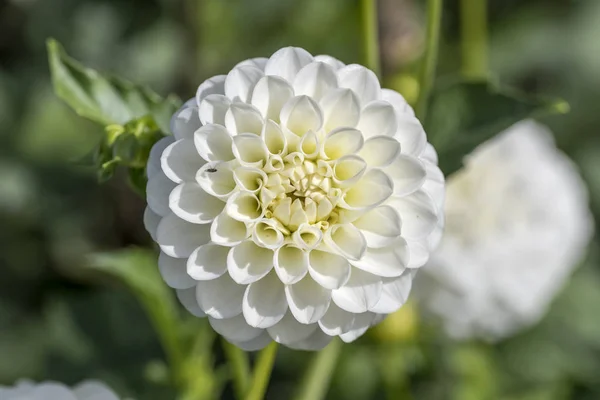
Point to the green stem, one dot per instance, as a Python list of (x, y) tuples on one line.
[(319, 373), (429, 64), (370, 35), (474, 38), (240, 368), (262, 372)]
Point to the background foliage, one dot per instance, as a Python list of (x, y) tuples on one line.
[(61, 319)]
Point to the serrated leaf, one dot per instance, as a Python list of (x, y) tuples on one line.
[(101, 98), (464, 114)]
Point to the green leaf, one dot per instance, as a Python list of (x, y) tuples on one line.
[(103, 99), (138, 269), (464, 114)]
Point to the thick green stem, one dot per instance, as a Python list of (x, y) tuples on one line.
[(474, 38), (262, 372), (370, 32), (239, 366), (318, 375), (429, 64)]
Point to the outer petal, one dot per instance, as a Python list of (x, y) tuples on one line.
[(394, 293), (213, 143), (397, 101), (207, 262), (336, 321), (185, 122), (240, 82), (187, 297), (151, 220), (180, 161), (288, 330), (174, 272), (287, 62), (380, 151), (408, 174), (346, 240), (248, 263), (258, 62), (333, 62), (411, 135), (291, 263), (378, 118), (362, 81), (342, 142), (191, 203), (269, 96), (158, 189), (360, 324), (373, 189), (390, 261), (341, 108), (235, 329), (214, 85), (243, 118), (178, 238), (315, 79), (360, 294), (216, 179), (213, 108), (380, 226), (255, 344), (418, 214), (155, 154), (317, 341), (308, 301), (93, 390), (301, 114), (220, 298), (264, 302), (227, 231)]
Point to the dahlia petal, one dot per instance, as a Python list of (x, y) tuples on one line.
[(397, 101), (360, 324), (178, 238), (249, 179), (269, 96), (267, 235), (227, 231), (174, 272), (380, 151), (250, 150), (240, 82), (309, 145), (248, 263), (341, 142), (244, 206), (408, 174), (49, 390), (418, 214), (243, 118), (214, 85), (317, 341), (362, 81), (287, 62), (258, 62), (307, 237), (151, 220), (429, 154), (221, 297), (435, 184), (264, 302), (213, 108), (390, 261), (315, 79), (348, 170), (289, 330), (341, 108), (234, 329), (380, 226), (394, 293), (308, 301), (373, 189), (301, 114), (191, 203), (329, 270), (92, 390), (258, 343), (418, 253), (180, 161), (336, 321), (378, 118), (207, 262), (187, 297), (332, 61), (274, 138), (155, 154), (213, 143), (216, 179), (346, 240), (411, 135), (190, 103), (360, 293), (185, 122), (291, 264), (158, 190)]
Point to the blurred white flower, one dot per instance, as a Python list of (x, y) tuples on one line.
[(27, 390), (517, 223), (294, 202)]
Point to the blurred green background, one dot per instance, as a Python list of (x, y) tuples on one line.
[(59, 321)]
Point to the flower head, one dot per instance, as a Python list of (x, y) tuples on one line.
[(88, 390), (517, 222), (294, 201)]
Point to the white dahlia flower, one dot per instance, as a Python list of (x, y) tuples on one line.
[(517, 223), (294, 201), (27, 390)]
